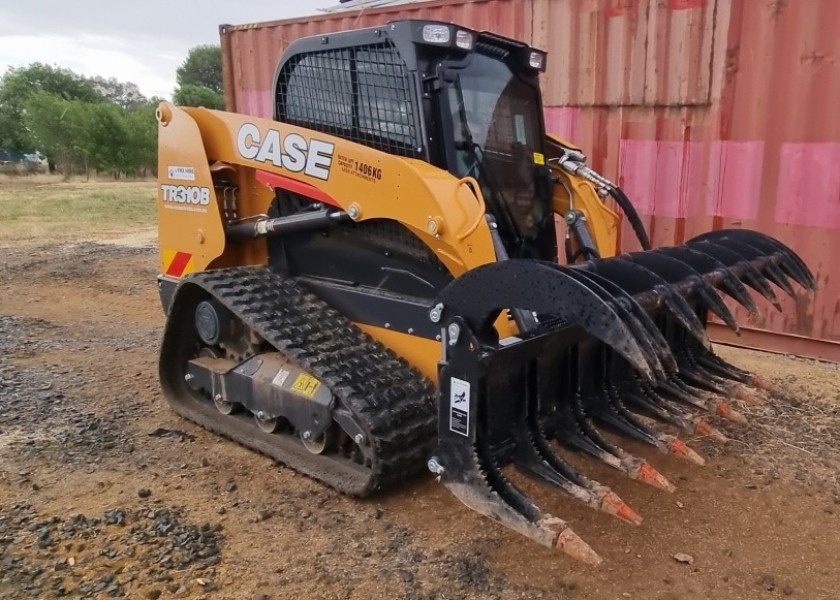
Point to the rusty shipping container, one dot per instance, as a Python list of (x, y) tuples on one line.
[(710, 113)]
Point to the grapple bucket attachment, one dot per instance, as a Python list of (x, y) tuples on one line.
[(618, 343)]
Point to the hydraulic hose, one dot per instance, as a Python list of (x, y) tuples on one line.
[(630, 212)]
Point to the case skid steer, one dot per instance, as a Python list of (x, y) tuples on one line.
[(368, 283)]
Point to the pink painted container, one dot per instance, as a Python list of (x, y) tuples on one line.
[(710, 113)]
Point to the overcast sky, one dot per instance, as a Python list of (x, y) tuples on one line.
[(141, 41)]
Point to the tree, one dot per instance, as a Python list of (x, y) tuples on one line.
[(194, 95), (19, 84), (124, 94), (200, 78)]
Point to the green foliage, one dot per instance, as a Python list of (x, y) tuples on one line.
[(194, 95), (200, 79), (17, 87), (82, 125), (202, 68)]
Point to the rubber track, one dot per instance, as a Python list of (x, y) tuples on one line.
[(394, 403)]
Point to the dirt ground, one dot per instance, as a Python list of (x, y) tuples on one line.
[(104, 492)]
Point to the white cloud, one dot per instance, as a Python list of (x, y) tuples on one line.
[(91, 55), (143, 43)]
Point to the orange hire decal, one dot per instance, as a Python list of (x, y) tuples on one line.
[(177, 264), (291, 152)]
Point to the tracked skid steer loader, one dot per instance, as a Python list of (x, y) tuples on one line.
[(368, 283)]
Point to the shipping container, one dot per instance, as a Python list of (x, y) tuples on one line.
[(710, 114)]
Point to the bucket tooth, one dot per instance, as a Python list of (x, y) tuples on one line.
[(610, 503), (749, 274), (709, 266), (743, 394), (704, 428), (677, 447), (569, 542), (789, 261), (641, 470), (723, 409)]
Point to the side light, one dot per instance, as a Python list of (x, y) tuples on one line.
[(536, 60), (436, 34), (464, 39)]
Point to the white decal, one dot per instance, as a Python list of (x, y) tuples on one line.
[(291, 152), (181, 173), (247, 139), (280, 378), (459, 406), (189, 198)]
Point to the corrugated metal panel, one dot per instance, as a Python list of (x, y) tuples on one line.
[(251, 52), (626, 52), (711, 113)]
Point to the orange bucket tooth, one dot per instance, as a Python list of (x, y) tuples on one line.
[(747, 397), (613, 505), (647, 474), (570, 543), (725, 410), (677, 447), (702, 427), (759, 382)]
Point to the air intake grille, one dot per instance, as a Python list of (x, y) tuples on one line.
[(360, 93)]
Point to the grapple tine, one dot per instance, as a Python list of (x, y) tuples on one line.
[(764, 263), (710, 266), (790, 260), (481, 486), (647, 329), (675, 271), (474, 439), (650, 291), (545, 466), (481, 294), (748, 273)]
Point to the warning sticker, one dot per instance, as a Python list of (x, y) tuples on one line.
[(459, 406), (280, 378), (306, 385)]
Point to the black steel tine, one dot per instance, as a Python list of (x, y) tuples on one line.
[(649, 290), (624, 311), (480, 295), (791, 261), (675, 271), (649, 331), (748, 273), (708, 265), (767, 266)]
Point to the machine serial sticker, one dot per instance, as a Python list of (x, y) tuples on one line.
[(306, 385), (181, 173), (459, 406), (280, 378)]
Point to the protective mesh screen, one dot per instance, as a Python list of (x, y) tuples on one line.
[(361, 94)]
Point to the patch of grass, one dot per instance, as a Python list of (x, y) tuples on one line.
[(40, 209)]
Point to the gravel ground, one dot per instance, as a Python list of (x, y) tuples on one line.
[(104, 492)]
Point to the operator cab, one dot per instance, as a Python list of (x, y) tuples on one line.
[(465, 101)]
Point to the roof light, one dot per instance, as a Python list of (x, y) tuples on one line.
[(464, 39), (436, 34), (537, 60)]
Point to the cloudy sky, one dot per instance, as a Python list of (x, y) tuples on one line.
[(142, 41)]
